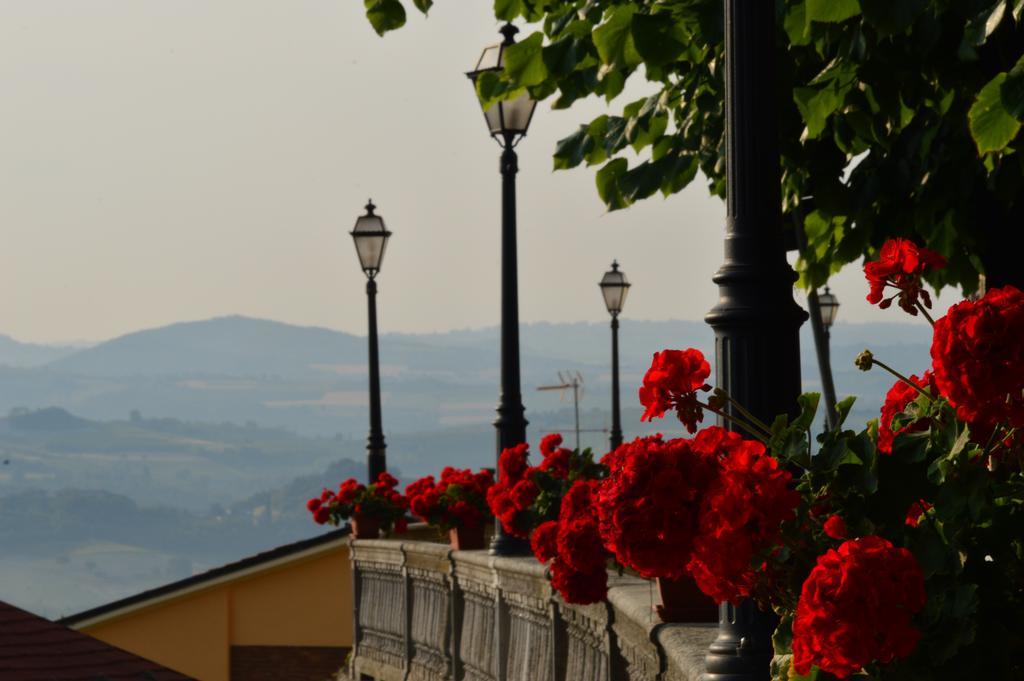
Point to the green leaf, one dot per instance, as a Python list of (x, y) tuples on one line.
[(614, 38), (524, 61), (795, 24), (570, 151), (831, 11), (1012, 90), (607, 183), (993, 127), (560, 57), (659, 38), (1018, 11), (816, 105), (982, 26), (892, 16), (385, 15), (843, 408), (507, 10), (423, 5), (808, 403)]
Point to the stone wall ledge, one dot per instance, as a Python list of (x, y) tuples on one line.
[(427, 613)]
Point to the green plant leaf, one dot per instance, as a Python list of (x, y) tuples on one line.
[(524, 61), (423, 5), (659, 38), (507, 10), (570, 151), (385, 15), (614, 38), (816, 105), (978, 29), (1012, 90), (892, 16), (831, 11), (608, 183), (992, 126)]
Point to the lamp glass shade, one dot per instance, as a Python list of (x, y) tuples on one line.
[(507, 117), (371, 239), (829, 306), (614, 287)]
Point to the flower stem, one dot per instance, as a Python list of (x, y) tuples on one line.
[(903, 378), (752, 429), (922, 310), (746, 414)]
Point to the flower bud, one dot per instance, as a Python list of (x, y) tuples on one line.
[(864, 361)]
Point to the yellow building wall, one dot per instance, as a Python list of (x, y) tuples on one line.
[(189, 635), (307, 602)]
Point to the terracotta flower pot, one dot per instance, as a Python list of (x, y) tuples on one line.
[(466, 539), (682, 601), (365, 526)]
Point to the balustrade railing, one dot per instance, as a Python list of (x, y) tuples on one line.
[(427, 613)]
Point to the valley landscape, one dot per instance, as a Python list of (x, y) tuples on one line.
[(165, 452)]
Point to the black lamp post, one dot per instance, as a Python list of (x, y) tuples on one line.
[(614, 287), (507, 122), (371, 239), (756, 321), (828, 307)]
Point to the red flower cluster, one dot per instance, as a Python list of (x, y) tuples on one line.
[(649, 504), (835, 527), (900, 265), (740, 514), (672, 382), (896, 401), (978, 359), (512, 495), (526, 495), (380, 500), (856, 608), (458, 500), (579, 564)]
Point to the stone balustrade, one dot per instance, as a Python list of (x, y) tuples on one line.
[(427, 613)]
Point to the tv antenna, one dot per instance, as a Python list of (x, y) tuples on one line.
[(570, 380)]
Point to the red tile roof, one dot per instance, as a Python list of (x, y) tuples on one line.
[(36, 649)]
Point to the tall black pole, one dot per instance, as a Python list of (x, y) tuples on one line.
[(822, 346), (511, 421), (375, 458), (756, 320), (616, 438)]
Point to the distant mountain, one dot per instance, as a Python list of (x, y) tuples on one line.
[(313, 380), (17, 354)]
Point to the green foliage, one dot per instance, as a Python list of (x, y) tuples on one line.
[(903, 117), (969, 545)]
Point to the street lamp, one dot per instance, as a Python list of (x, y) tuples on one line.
[(828, 307), (507, 122), (614, 287), (371, 239)]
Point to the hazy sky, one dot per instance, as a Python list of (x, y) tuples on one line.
[(166, 160)]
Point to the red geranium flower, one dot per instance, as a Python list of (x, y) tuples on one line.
[(672, 382), (835, 527), (896, 401), (978, 359), (544, 541), (740, 515), (900, 265), (649, 504), (856, 608), (577, 587)]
